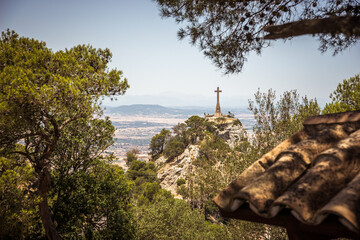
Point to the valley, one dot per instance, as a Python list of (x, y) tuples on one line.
[(137, 124)]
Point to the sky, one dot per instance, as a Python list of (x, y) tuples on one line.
[(164, 70)]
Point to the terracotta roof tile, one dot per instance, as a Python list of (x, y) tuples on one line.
[(315, 173)]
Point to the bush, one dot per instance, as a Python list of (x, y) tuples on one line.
[(180, 181), (140, 169), (174, 148), (237, 122), (130, 156), (165, 219), (183, 191)]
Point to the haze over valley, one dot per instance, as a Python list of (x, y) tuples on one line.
[(137, 124)]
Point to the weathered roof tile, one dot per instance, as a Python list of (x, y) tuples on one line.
[(316, 172)]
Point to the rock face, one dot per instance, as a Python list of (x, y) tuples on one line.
[(229, 129), (232, 133), (170, 172)]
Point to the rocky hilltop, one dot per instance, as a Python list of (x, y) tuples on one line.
[(171, 170), (231, 130)]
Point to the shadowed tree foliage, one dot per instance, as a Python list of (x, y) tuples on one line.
[(90, 198), (42, 93), (226, 31), (19, 214), (158, 142), (181, 131), (174, 148), (141, 169), (93, 203)]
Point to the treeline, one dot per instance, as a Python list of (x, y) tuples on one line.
[(56, 182)]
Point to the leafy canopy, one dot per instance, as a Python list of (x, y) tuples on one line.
[(346, 97), (89, 196), (18, 212), (158, 142), (42, 91), (226, 31), (44, 97), (275, 121), (93, 201)]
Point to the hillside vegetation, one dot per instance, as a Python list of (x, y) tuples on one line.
[(56, 182), (196, 159)]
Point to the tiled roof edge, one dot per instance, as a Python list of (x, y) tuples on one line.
[(344, 117)]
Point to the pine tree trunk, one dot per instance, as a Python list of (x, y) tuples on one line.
[(48, 224)]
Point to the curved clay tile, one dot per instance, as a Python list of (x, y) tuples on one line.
[(314, 173)]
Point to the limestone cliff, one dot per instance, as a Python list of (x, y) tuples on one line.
[(170, 172), (229, 129)]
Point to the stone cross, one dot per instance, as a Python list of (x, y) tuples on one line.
[(217, 110)]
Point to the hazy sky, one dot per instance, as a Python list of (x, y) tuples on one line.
[(163, 70)]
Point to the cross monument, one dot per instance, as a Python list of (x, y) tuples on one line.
[(217, 110)]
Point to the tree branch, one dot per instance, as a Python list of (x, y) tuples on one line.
[(349, 26), (28, 156)]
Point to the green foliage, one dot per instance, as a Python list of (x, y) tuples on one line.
[(227, 31), (46, 98), (245, 230), (276, 121), (150, 191), (183, 191), (196, 127), (218, 165), (146, 186), (237, 122), (131, 156), (192, 131), (210, 175), (212, 149), (82, 143), (174, 148), (180, 131), (195, 122), (42, 91), (157, 143), (165, 219), (141, 169), (180, 181), (230, 114), (89, 198), (93, 202), (19, 216), (346, 97)]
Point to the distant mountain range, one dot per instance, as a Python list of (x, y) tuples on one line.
[(144, 109), (170, 99), (150, 110)]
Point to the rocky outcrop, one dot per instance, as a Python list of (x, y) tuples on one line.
[(170, 172), (229, 129), (233, 133)]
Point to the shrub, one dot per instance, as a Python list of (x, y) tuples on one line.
[(180, 181)]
